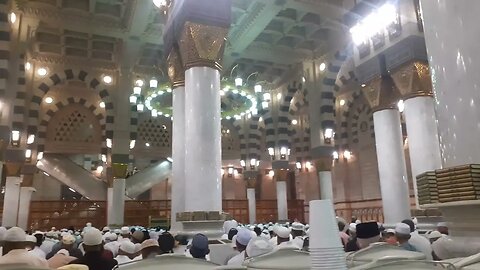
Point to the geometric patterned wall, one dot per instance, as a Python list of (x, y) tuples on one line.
[(154, 132)]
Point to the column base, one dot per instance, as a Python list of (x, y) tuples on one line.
[(208, 223)]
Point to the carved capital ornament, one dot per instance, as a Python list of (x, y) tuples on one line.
[(202, 45), (176, 71), (413, 79)]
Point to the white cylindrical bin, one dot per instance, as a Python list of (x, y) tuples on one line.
[(391, 166), (422, 136), (11, 201), (326, 249), (118, 201), (252, 206), (203, 159), (326, 187), (282, 206), (454, 64), (178, 155), (24, 206)]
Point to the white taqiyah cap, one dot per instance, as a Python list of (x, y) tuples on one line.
[(402, 228), (125, 230), (63, 252), (112, 237), (258, 246), (390, 231), (15, 234), (106, 229), (149, 243), (265, 234), (283, 232), (270, 228), (352, 227), (297, 226), (31, 238), (434, 234), (128, 247), (68, 239), (442, 224), (92, 237), (73, 267), (243, 236), (3, 231), (89, 224)]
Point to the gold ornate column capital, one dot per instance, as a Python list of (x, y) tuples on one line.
[(280, 175), (381, 93), (119, 170), (176, 70), (13, 168), (202, 45), (251, 182), (413, 80), (323, 164)]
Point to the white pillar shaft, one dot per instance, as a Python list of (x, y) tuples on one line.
[(282, 206), (203, 180), (178, 153), (454, 63), (118, 199), (24, 206), (110, 205), (10, 201), (422, 137), (391, 166), (326, 186), (252, 205)]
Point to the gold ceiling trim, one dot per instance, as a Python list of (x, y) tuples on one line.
[(81, 62)]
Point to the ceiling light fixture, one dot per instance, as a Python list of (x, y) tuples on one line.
[(258, 88), (28, 66), (294, 122), (160, 3), (139, 82), (107, 79), (42, 72), (48, 100), (13, 17), (342, 102), (238, 82), (102, 104), (153, 83), (323, 66), (401, 105)]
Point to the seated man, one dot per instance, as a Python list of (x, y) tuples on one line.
[(199, 247), (367, 233), (149, 249), (243, 237), (14, 250), (402, 233), (94, 256)]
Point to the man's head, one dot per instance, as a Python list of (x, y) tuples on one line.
[(231, 233), (40, 238), (258, 246), (243, 237), (434, 236), (127, 248), (367, 233), (68, 241), (149, 248), (283, 235), (389, 236), (31, 242), (297, 229), (125, 232), (138, 237), (341, 226), (199, 247), (410, 224), (402, 232), (352, 229), (166, 242), (257, 231), (15, 238), (442, 227), (92, 240)]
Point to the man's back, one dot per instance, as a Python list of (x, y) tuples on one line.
[(22, 256), (95, 261), (421, 244)]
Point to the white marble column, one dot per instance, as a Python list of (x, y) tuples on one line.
[(326, 186), (422, 136), (178, 154), (110, 205), (450, 36), (203, 180), (391, 166), (282, 200), (11, 200), (118, 199), (252, 205), (24, 206)]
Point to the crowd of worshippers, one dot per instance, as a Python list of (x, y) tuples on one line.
[(358, 235), (93, 249)]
